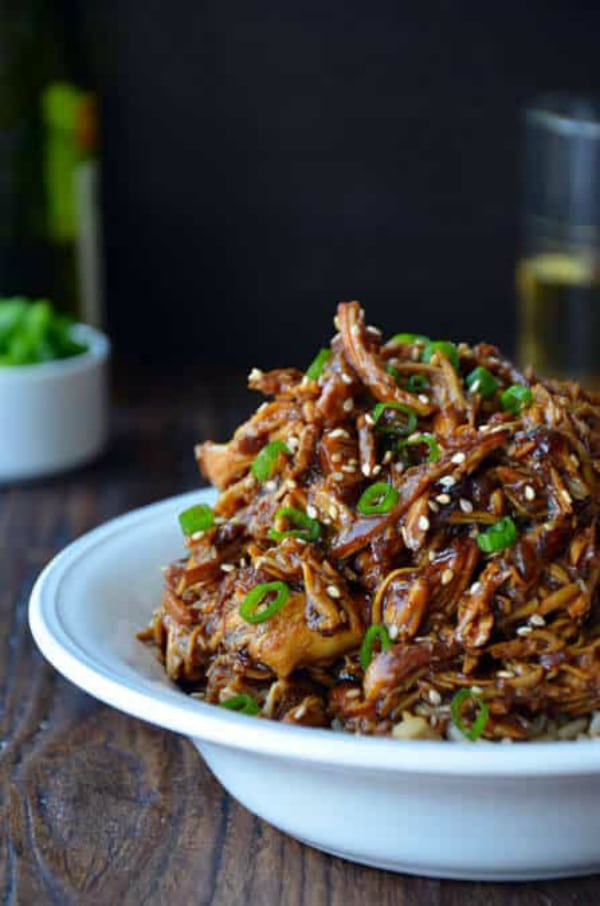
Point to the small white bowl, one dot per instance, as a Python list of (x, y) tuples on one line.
[(443, 809), (53, 415)]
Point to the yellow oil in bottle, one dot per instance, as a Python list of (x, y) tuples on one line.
[(559, 310)]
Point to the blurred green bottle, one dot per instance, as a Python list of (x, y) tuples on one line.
[(49, 228)]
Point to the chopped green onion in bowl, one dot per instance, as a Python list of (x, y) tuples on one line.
[(446, 348), (479, 724), (502, 534), (515, 398), (481, 381), (32, 332)]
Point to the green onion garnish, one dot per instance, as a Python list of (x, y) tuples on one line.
[(243, 704), (394, 372), (256, 597), (409, 338), (482, 381), (31, 331), (416, 383), (498, 536), (197, 518), (395, 427), (445, 347), (374, 632), (315, 369), (306, 528), (475, 731), (515, 397), (429, 439), (264, 464), (378, 498)]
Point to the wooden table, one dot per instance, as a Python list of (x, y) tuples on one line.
[(99, 808)]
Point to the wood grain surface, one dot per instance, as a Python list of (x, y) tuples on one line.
[(99, 808)]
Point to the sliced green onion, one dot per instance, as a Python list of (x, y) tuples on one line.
[(306, 528), (515, 397), (197, 518), (456, 706), (243, 704), (315, 369), (395, 427), (482, 381), (502, 534), (374, 632), (445, 347), (257, 597), (416, 383), (394, 372), (378, 498), (429, 439), (264, 464), (409, 338)]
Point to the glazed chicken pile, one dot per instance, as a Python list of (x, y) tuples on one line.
[(404, 544)]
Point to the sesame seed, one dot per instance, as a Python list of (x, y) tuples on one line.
[(242, 562), (433, 506), (348, 405), (536, 619), (353, 462), (447, 576), (474, 387), (524, 630), (476, 690), (336, 457), (291, 484), (355, 330), (349, 469), (337, 476), (333, 511), (465, 505), (227, 567), (255, 374), (574, 461), (336, 323), (565, 496), (423, 523), (423, 399), (387, 457), (353, 693), (270, 485), (197, 536), (415, 354), (434, 697), (374, 330), (346, 378), (443, 499), (431, 556), (365, 469), (338, 432), (459, 458), (376, 470), (483, 428), (293, 442), (505, 674), (311, 511), (529, 492), (333, 591), (220, 520), (393, 631), (475, 588), (448, 481), (369, 420)]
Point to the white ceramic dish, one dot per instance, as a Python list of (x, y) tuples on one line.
[(455, 810), (54, 415)]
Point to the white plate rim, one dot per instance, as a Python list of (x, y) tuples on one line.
[(201, 721)]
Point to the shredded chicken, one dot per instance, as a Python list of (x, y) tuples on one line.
[(478, 564)]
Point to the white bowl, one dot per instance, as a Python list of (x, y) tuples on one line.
[(53, 415), (455, 810)]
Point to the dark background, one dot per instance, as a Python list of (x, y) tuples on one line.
[(265, 159)]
